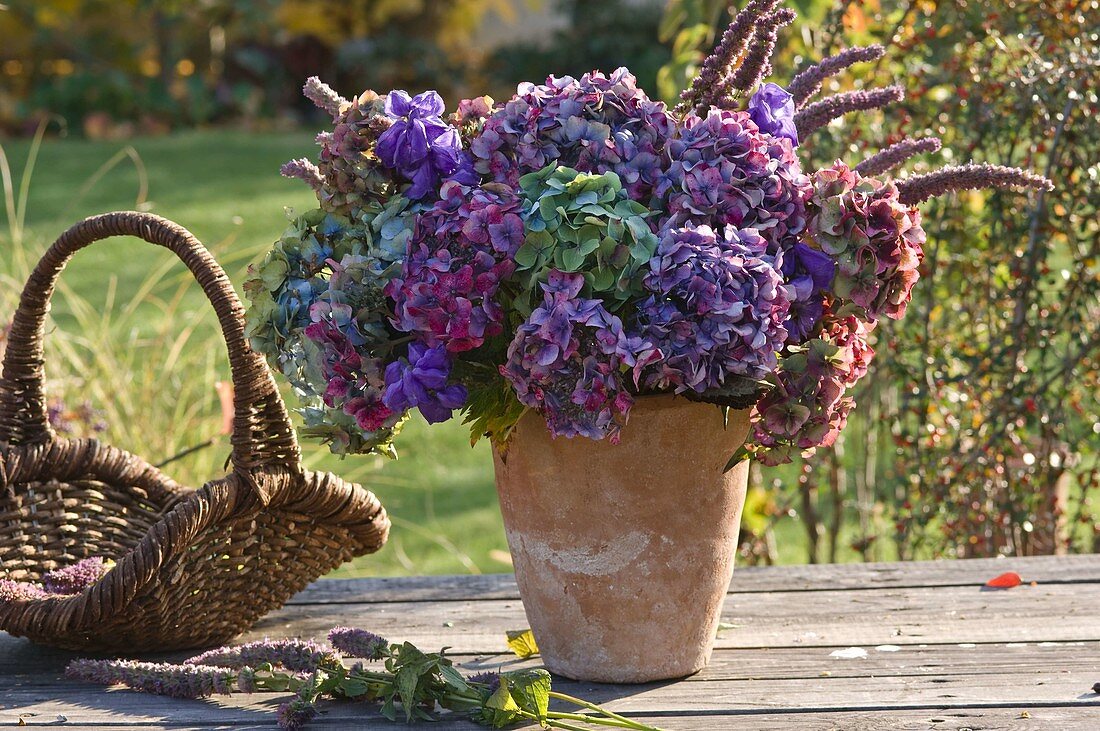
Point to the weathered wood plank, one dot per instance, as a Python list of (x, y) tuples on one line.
[(1017, 719), (941, 615), (731, 664), (81, 704), (903, 616), (793, 663), (750, 579)]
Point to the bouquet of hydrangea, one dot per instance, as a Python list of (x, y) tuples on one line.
[(579, 246)]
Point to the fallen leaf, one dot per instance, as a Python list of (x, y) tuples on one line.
[(522, 642), (1006, 580), (1024, 714), (722, 626)]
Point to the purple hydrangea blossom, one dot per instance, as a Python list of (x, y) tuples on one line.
[(593, 124), (568, 358), (723, 172), (358, 642), (772, 108), (461, 250), (421, 381), (716, 309), (419, 144), (75, 578)]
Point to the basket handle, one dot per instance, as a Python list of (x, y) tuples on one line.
[(262, 434)]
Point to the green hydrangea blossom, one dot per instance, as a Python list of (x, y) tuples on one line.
[(583, 222)]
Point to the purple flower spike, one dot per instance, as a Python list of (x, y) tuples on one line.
[(358, 642), (421, 381), (772, 108), (75, 578), (295, 715), (294, 655), (20, 591), (174, 681), (419, 144)]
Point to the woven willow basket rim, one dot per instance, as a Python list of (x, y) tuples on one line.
[(310, 522)]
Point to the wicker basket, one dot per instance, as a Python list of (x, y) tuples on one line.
[(194, 567)]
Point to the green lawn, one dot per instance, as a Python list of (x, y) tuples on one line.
[(225, 187)]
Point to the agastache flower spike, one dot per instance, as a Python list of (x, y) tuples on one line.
[(303, 169), (808, 83), (703, 89), (358, 642), (819, 114), (294, 655), (920, 188), (76, 577), (324, 96), (174, 681), (20, 591), (757, 63), (896, 155)]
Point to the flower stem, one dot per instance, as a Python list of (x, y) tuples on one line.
[(598, 709)]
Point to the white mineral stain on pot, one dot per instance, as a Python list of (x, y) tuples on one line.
[(619, 553)]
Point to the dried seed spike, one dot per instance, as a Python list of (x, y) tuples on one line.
[(808, 83), (703, 88), (758, 60), (919, 188), (303, 169), (896, 154), (324, 96), (819, 114)]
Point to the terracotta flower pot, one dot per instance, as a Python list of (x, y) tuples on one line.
[(624, 553)]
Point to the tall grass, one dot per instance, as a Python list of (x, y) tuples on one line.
[(143, 359)]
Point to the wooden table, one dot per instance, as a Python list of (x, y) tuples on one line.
[(938, 652)]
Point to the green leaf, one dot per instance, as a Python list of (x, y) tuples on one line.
[(531, 690), (738, 457), (353, 687), (404, 682), (387, 710), (453, 678), (522, 642)]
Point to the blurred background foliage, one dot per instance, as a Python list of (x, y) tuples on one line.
[(977, 432)]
